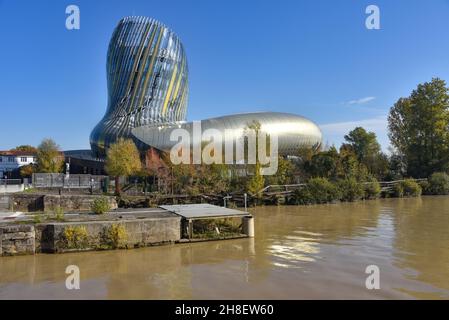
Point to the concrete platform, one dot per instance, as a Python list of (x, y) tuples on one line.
[(121, 228)]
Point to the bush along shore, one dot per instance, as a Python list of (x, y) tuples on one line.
[(315, 191), (417, 163)]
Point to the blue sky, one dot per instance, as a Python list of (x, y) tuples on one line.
[(313, 58)]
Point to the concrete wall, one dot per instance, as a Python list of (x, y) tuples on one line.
[(11, 188), (27, 202), (51, 238), (139, 233), (4, 202), (17, 240), (73, 202), (30, 202)]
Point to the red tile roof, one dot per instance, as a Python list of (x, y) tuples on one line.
[(17, 153)]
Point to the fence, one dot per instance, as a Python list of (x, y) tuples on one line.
[(8, 182), (61, 180), (289, 188)]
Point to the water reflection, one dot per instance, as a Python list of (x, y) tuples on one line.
[(299, 252)]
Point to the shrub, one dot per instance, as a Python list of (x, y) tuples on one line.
[(115, 236), (351, 189), (75, 237), (398, 190), (372, 189), (411, 188), (100, 205), (229, 225), (302, 196), (207, 228), (439, 183), (317, 190), (322, 190), (37, 218), (59, 214), (424, 186)]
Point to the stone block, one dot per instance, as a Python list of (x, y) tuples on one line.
[(17, 239)]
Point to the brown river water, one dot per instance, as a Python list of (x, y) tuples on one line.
[(299, 252)]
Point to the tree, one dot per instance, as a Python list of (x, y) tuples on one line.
[(418, 128), (49, 157), (363, 143), (25, 148), (323, 164), (284, 173), (256, 182), (365, 146), (122, 159), (27, 170)]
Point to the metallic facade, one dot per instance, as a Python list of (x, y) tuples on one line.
[(148, 92), (147, 78), (292, 131)]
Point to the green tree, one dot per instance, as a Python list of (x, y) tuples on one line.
[(25, 148), (324, 164), (27, 170), (256, 182), (122, 159), (363, 143), (284, 173), (367, 150), (49, 157), (418, 128)]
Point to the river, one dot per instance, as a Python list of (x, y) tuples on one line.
[(299, 252)]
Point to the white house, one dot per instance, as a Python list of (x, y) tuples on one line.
[(12, 160)]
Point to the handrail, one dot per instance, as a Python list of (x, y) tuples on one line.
[(285, 186)]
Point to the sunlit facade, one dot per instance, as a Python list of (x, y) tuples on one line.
[(292, 131), (147, 79)]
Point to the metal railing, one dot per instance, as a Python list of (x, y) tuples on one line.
[(7, 182), (68, 181)]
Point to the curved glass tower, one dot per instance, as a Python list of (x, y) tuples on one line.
[(147, 81)]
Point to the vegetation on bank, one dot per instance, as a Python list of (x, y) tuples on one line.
[(417, 130), (420, 149), (100, 205), (114, 237), (216, 228), (75, 237)]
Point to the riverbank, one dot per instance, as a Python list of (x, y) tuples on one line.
[(120, 229)]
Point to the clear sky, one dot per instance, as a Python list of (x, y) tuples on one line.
[(313, 58)]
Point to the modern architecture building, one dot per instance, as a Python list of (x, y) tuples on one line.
[(147, 77), (292, 131), (147, 80)]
